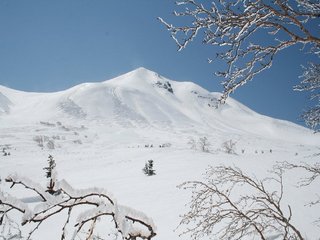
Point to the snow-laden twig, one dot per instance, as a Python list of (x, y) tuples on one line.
[(311, 83), (130, 223), (249, 33)]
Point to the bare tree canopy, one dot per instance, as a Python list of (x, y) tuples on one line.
[(249, 33)]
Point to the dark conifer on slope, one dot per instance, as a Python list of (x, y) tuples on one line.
[(148, 168), (51, 175)]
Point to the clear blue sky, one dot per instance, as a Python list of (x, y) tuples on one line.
[(50, 45)]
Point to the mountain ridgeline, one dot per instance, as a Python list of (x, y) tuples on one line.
[(143, 99)]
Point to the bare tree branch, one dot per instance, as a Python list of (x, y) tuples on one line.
[(312, 173), (312, 170), (216, 208)]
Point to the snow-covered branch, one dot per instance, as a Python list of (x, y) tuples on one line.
[(311, 83), (98, 203), (15, 179), (249, 33)]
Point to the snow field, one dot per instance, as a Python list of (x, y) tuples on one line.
[(100, 135)]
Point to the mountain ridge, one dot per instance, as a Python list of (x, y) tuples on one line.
[(143, 98)]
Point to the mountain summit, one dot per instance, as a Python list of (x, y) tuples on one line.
[(144, 99)]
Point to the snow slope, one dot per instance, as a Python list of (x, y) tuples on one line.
[(101, 134), (141, 99)]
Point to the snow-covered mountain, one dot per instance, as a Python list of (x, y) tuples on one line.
[(102, 134), (144, 99)]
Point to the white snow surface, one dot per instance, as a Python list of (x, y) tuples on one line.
[(98, 133)]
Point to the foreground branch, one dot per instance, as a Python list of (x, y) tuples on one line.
[(216, 208), (131, 224), (312, 174)]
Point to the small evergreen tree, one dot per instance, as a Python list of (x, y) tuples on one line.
[(148, 168), (51, 175)]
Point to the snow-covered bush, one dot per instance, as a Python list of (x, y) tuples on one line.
[(192, 143), (229, 147), (39, 140), (203, 144), (45, 141), (50, 144), (48, 124), (82, 210)]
